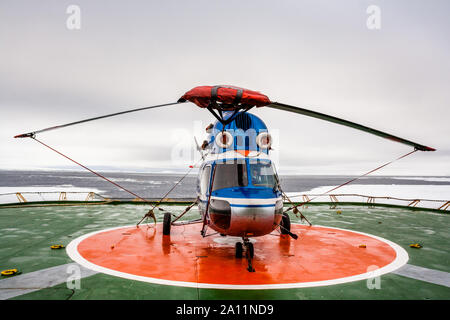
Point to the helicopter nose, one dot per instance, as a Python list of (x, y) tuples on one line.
[(253, 219)]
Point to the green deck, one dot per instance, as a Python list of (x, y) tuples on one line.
[(26, 234)]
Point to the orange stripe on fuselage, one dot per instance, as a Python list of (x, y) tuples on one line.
[(245, 153)]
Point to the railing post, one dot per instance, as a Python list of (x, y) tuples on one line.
[(20, 197)]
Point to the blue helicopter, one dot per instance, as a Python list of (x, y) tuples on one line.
[(238, 189)]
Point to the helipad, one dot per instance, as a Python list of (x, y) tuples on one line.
[(321, 256)]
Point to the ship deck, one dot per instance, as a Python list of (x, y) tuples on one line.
[(28, 232)]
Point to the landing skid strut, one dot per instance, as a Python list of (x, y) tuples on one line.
[(249, 252)]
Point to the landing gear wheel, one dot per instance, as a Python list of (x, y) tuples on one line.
[(166, 223), (285, 224), (239, 250)]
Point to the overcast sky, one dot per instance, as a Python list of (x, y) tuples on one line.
[(313, 54)]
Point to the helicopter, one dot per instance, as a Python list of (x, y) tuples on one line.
[(238, 189)]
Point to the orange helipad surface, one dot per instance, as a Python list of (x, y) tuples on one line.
[(320, 254)]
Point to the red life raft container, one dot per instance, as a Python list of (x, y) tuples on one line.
[(225, 97)]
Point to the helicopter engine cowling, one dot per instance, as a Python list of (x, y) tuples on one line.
[(245, 217), (252, 221)]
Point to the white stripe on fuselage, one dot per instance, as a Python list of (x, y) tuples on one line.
[(233, 154), (245, 201)]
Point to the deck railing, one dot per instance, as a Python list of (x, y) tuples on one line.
[(72, 197), (50, 196), (371, 200)]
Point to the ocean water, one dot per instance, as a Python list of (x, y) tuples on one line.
[(155, 185)]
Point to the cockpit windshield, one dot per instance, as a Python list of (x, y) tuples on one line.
[(228, 175), (262, 174)]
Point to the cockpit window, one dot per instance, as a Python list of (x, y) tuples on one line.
[(263, 175), (230, 175)]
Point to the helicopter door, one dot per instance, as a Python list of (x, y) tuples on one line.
[(204, 181)]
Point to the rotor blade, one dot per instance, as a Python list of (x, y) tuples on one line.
[(33, 133), (318, 115)]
